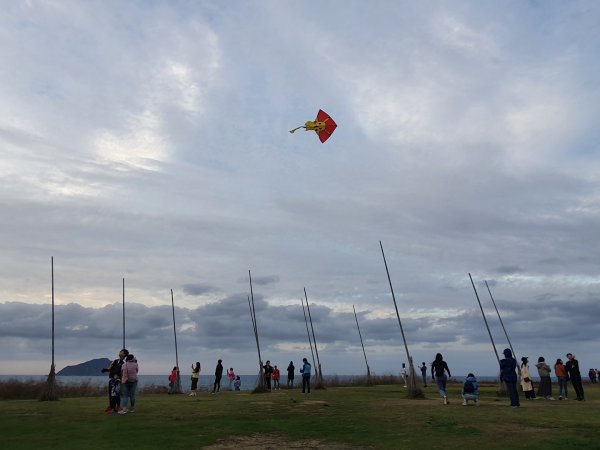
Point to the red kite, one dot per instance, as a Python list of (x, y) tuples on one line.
[(323, 125)]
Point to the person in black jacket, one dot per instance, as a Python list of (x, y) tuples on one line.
[(508, 374), (218, 376), (114, 369), (572, 367), (438, 369), (290, 374)]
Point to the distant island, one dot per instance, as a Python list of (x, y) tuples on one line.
[(91, 368)]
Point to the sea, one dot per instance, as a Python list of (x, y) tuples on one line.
[(249, 382)]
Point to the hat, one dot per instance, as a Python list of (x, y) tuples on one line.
[(524, 358), (507, 352)]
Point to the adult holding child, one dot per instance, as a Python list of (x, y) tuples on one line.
[(438, 374), (114, 369)]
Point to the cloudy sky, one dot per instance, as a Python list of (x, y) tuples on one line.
[(148, 140)]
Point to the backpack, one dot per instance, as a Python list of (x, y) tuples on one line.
[(469, 387)]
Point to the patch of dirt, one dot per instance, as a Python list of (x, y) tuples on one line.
[(272, 442)]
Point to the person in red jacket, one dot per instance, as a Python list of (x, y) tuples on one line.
[(276, 376), (173, 379)]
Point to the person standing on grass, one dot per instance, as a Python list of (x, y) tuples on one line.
[(230, 377), (268, 373), (562, 377), (545, 388), (305, 371), (290, 377), (114, 386), (508, 375), (114, 368), (276, 376), (129, 381), (218, 376), (237, 384), (424, 374), (438, 369), (526, 382), (195, 377), (173, 379), (572, 367)]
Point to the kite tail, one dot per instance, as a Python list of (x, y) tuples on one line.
[(297, 128)]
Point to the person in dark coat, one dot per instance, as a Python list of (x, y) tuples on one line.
[(290, 374), (218, 376), (572, 367), (508, 374)]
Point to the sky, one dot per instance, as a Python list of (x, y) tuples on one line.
[(147, 141)]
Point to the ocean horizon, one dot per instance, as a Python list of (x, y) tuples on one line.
[(249, 382)]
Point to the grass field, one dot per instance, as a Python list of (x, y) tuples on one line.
[(336, 418)]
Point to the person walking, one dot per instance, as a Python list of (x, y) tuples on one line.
[(305, 371), (545, 388), (508, 375), (218, 376), (572, 367), (526, 381), (129, 381), (195, 377), (290, 374), (561, 375), (424, 374), (438, 374)]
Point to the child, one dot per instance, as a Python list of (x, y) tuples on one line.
[(115, 394), (276, 376), (470, 390), (230, 376), (238, 383)]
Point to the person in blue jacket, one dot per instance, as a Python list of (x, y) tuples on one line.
[(508, 374), (305, 371), (470, 390)]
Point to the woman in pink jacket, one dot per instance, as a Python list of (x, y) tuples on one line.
[(129, 380)]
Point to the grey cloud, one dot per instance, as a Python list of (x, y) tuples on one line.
[(198, 289), (509, 270)]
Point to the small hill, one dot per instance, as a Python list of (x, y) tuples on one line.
[(86, 369)]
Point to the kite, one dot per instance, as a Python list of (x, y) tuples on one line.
[(323, 125)]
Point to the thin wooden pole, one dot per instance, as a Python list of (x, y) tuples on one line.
[(412, 381), (261, 378), (501, 322), (309, 338), (178, 381), (52, 269), (485, 320), (313, 335), (363, 346), (124, 313)]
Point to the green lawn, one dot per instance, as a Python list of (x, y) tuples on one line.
[(346, 417)]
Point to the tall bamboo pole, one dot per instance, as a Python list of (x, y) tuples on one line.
[(501, 389), (261, 378), (314, 339), (49, 393), (500, 318), (124, 313), (363, 346), (412, 385), (177, 389), (309, 338), (485, 320)]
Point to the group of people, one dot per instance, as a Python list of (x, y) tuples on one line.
[(122, 383), (510, 374), (271, 374)]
